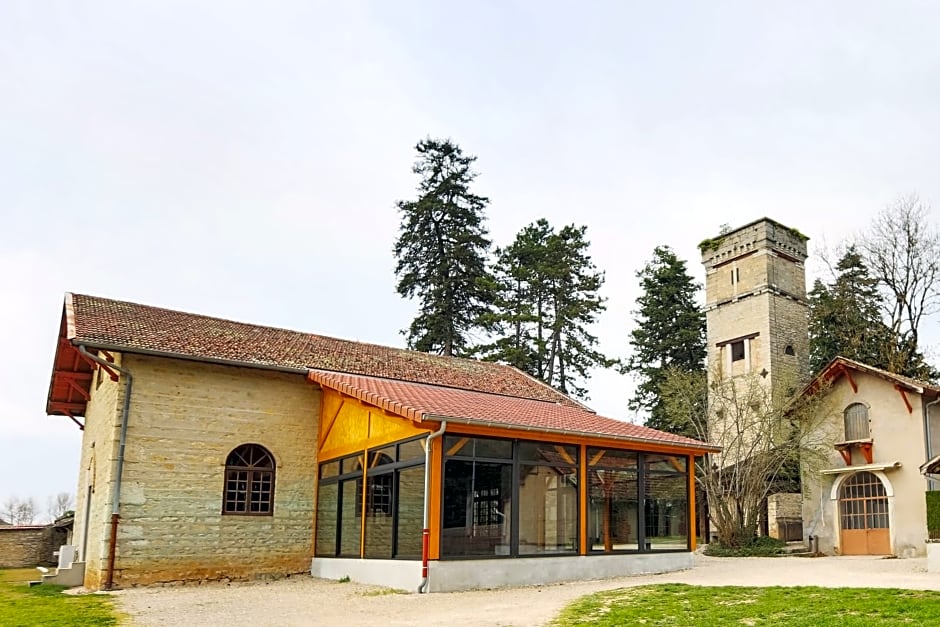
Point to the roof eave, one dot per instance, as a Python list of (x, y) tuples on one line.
[(187, 357), (703, 448)]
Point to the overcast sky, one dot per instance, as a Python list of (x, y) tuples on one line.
[(243, 159)]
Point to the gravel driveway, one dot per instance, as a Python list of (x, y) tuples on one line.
[(302, 600)]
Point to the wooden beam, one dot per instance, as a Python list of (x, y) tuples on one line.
[(693, 536), (82, 391), (907, 403)]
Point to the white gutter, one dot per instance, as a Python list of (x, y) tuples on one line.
[(426, 532)]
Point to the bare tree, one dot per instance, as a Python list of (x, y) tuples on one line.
[(58, 505), (902, 251), (19, 511), (764, 443)]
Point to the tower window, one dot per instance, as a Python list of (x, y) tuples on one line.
[(789, 350), (737, 350)]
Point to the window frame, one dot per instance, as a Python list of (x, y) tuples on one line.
[(861, 423), (516, 463), (388, 473), (254, 473)]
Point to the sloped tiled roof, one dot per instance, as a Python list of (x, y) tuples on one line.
[(832, 370), (122, 326), (428, 402)]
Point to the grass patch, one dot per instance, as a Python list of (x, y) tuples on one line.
[(381, 592), (46, 605), (761, 546), (681, 604)]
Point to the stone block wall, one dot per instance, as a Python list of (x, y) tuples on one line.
[(28, 546), (96, 474), (185, 419)]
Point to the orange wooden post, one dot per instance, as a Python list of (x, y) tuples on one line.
[(583, 497), (692, 526)]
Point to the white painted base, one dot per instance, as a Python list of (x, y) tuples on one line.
[(454, 575), (933, 556), (72, 576)]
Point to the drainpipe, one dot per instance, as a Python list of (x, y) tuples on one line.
[(426, 533), (116, 490), (927, 434)]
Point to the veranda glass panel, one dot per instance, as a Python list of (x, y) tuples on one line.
[(477, 447), (613, 514), (410, 450), (379, 515), (544, 452), (548, 510), (326, 519), (351, 518), (410, 511), (666, 511), (477, 508)]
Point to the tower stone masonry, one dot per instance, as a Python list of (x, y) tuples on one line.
[(755, 304)]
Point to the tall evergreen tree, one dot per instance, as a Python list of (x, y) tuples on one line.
[(669, 335), (548, 299), (441, 251), (845, 319)]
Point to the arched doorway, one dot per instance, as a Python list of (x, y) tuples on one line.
[(863, 515)]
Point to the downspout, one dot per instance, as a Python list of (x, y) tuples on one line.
[(426, 532), (116, 490), (927, 435)]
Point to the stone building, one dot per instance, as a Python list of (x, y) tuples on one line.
[(757, 343), (755, 304), (215, 449), (876, 429)]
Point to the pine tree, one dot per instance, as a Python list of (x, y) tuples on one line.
[(441, 251), (548, 299), (669, 335), (845, 320)]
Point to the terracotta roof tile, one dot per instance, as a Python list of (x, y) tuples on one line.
[(105, 323), (419, 401)]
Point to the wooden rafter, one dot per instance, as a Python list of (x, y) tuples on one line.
[(907, 403)]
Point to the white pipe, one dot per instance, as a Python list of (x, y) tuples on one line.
[(426, 532)]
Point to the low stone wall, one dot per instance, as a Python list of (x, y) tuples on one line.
[(23, 547)]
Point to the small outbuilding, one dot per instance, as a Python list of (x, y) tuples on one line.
[(868, 496), (216, 449)]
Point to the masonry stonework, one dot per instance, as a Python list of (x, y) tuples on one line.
[(96, 475), (185, 418), (755, 294), (27, 546)]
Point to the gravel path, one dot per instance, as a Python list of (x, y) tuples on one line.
[(302, 600)]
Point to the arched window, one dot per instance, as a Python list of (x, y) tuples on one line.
[(856, 422), (249, 481)]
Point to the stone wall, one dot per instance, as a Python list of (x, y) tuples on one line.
[(185, 418), (24, 547), (96, 475)]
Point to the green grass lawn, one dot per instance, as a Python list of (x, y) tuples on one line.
[(681, 604), (46, 605)]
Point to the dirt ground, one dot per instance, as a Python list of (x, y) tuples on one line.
[(303, 600)]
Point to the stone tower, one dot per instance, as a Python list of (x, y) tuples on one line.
[(755, 304)]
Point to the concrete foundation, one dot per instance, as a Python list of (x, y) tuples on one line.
[(933, 556), (455, 575)]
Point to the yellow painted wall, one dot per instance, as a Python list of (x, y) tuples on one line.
[(348, 425)]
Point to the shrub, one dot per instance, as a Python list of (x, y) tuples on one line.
[(933, 515), (761, 546)]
